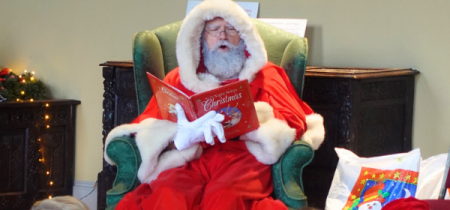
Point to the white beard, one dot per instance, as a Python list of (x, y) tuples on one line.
[(224, 65)]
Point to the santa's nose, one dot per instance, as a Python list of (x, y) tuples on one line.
[(223, 35), (370, 207)]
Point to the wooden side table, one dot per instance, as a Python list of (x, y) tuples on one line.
[(119, 107), (368, 111), (37, 151)]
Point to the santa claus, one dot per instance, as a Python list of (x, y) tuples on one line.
[(183, 165)]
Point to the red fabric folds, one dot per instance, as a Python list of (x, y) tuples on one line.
[(410, 203), (226, 176)]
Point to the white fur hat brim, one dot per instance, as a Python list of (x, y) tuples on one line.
[(188, 42)]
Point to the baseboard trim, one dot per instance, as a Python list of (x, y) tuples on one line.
[(81, 190)]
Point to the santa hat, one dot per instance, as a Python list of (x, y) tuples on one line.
[(373, 194), (188, 42)]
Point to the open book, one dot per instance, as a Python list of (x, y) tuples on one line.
[(233, 100)]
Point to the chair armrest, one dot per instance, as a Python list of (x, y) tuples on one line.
[(287, 174), (124, 152)]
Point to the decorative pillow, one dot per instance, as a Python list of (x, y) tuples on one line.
[(430, 177), (370, 183)]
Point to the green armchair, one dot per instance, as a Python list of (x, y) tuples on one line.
[(154, 52)]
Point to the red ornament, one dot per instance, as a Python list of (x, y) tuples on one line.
[(5, 71)]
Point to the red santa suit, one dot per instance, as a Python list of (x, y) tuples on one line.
[(231, 175)]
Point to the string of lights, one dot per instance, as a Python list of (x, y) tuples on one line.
[(20, 87), (47, 167)]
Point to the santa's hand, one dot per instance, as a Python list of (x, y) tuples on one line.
[(214, 126), (190, 133)]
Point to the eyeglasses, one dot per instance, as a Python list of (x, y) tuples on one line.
[(217, 32)]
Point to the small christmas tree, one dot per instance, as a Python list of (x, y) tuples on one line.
[(22, 87)]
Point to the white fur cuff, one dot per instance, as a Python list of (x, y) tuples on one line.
[(269, 141), (128, 129), (315, 133), (274, 136), (152, 138), (170, 159), (264, 111)]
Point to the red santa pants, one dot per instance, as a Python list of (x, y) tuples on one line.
[(226, 176)]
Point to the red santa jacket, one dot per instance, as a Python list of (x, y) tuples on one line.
[(282, 115), (271, 85)]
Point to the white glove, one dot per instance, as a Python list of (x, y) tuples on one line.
[(190, 133)]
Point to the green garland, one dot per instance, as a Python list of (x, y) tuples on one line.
[(23, 87)]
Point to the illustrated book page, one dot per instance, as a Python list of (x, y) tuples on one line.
[(233, 100)]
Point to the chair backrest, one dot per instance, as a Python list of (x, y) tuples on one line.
[(154, 52)]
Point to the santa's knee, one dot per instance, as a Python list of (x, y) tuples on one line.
[(223, 199), (166, 196)]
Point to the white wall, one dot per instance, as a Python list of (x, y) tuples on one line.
[(86, 191), (64, 41)]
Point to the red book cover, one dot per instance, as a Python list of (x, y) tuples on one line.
[(233, 100)]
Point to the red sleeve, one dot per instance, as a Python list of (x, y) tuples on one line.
[(286, 109), (272, 85), (152, 110)]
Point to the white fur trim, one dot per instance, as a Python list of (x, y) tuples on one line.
[(126, 130), (274, 136), (152, 137), (188, 42), (264, 111), (271, 139), (170, 159), (315, 134), (205, 77)]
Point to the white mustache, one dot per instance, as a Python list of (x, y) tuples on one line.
[(222, 42)]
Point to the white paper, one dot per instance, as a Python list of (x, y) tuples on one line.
[(190, 5), (250, 7), (295, 26)]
